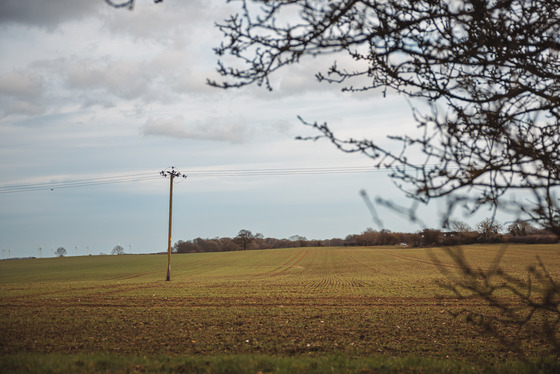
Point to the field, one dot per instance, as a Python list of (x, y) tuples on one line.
[(375, 309)]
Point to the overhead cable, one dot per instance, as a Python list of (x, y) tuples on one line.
[(196, 173)]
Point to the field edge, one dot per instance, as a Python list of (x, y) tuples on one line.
[(244, 363)]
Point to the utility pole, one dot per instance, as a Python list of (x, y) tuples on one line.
[(171, 174)]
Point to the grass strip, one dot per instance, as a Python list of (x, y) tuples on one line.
[(233, 364)]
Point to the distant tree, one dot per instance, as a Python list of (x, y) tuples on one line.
[(60, 252), (520, 228), (298, 240), (210, 245), (244, 238), (367, 238), (489, 227), (460, 227), (351, 240), (118, 250), (385, 238), (431, 237), (184, 247), (334, 242), (227, 244)]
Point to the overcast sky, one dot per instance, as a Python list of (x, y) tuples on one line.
[(88, 92)]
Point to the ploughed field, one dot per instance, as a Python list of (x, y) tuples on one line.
[(354, 301)]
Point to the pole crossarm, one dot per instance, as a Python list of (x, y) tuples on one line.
[(171, 174)]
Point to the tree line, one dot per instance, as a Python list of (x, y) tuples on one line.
[(460, 233)]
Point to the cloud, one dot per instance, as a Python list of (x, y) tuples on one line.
[(161, 22), (46, 14), (127, 80), (18, 84), (161, 75), (21, 93), (212, 129), (146, 21)]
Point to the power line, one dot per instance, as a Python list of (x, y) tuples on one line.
[(286, 171), (77, 183), (138, 177)]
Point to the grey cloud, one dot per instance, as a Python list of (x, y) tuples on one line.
[(212, 129), (147, 20), (127, 80), (98, 81), (21, 107), (164, 78), (19, 84), (21, 93), (46, 14), (159, 21)]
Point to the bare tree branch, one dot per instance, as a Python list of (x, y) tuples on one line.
[(488, 70)]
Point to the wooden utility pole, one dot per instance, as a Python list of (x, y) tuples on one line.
[(172, 174), (168, 278)]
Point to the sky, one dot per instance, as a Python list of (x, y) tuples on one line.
[(96, 101)]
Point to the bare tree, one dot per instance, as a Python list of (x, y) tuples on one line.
[(489, 227), (520, 228), (244, 238), (118, 250), (460, 227), (61, 252), (488, 71)]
